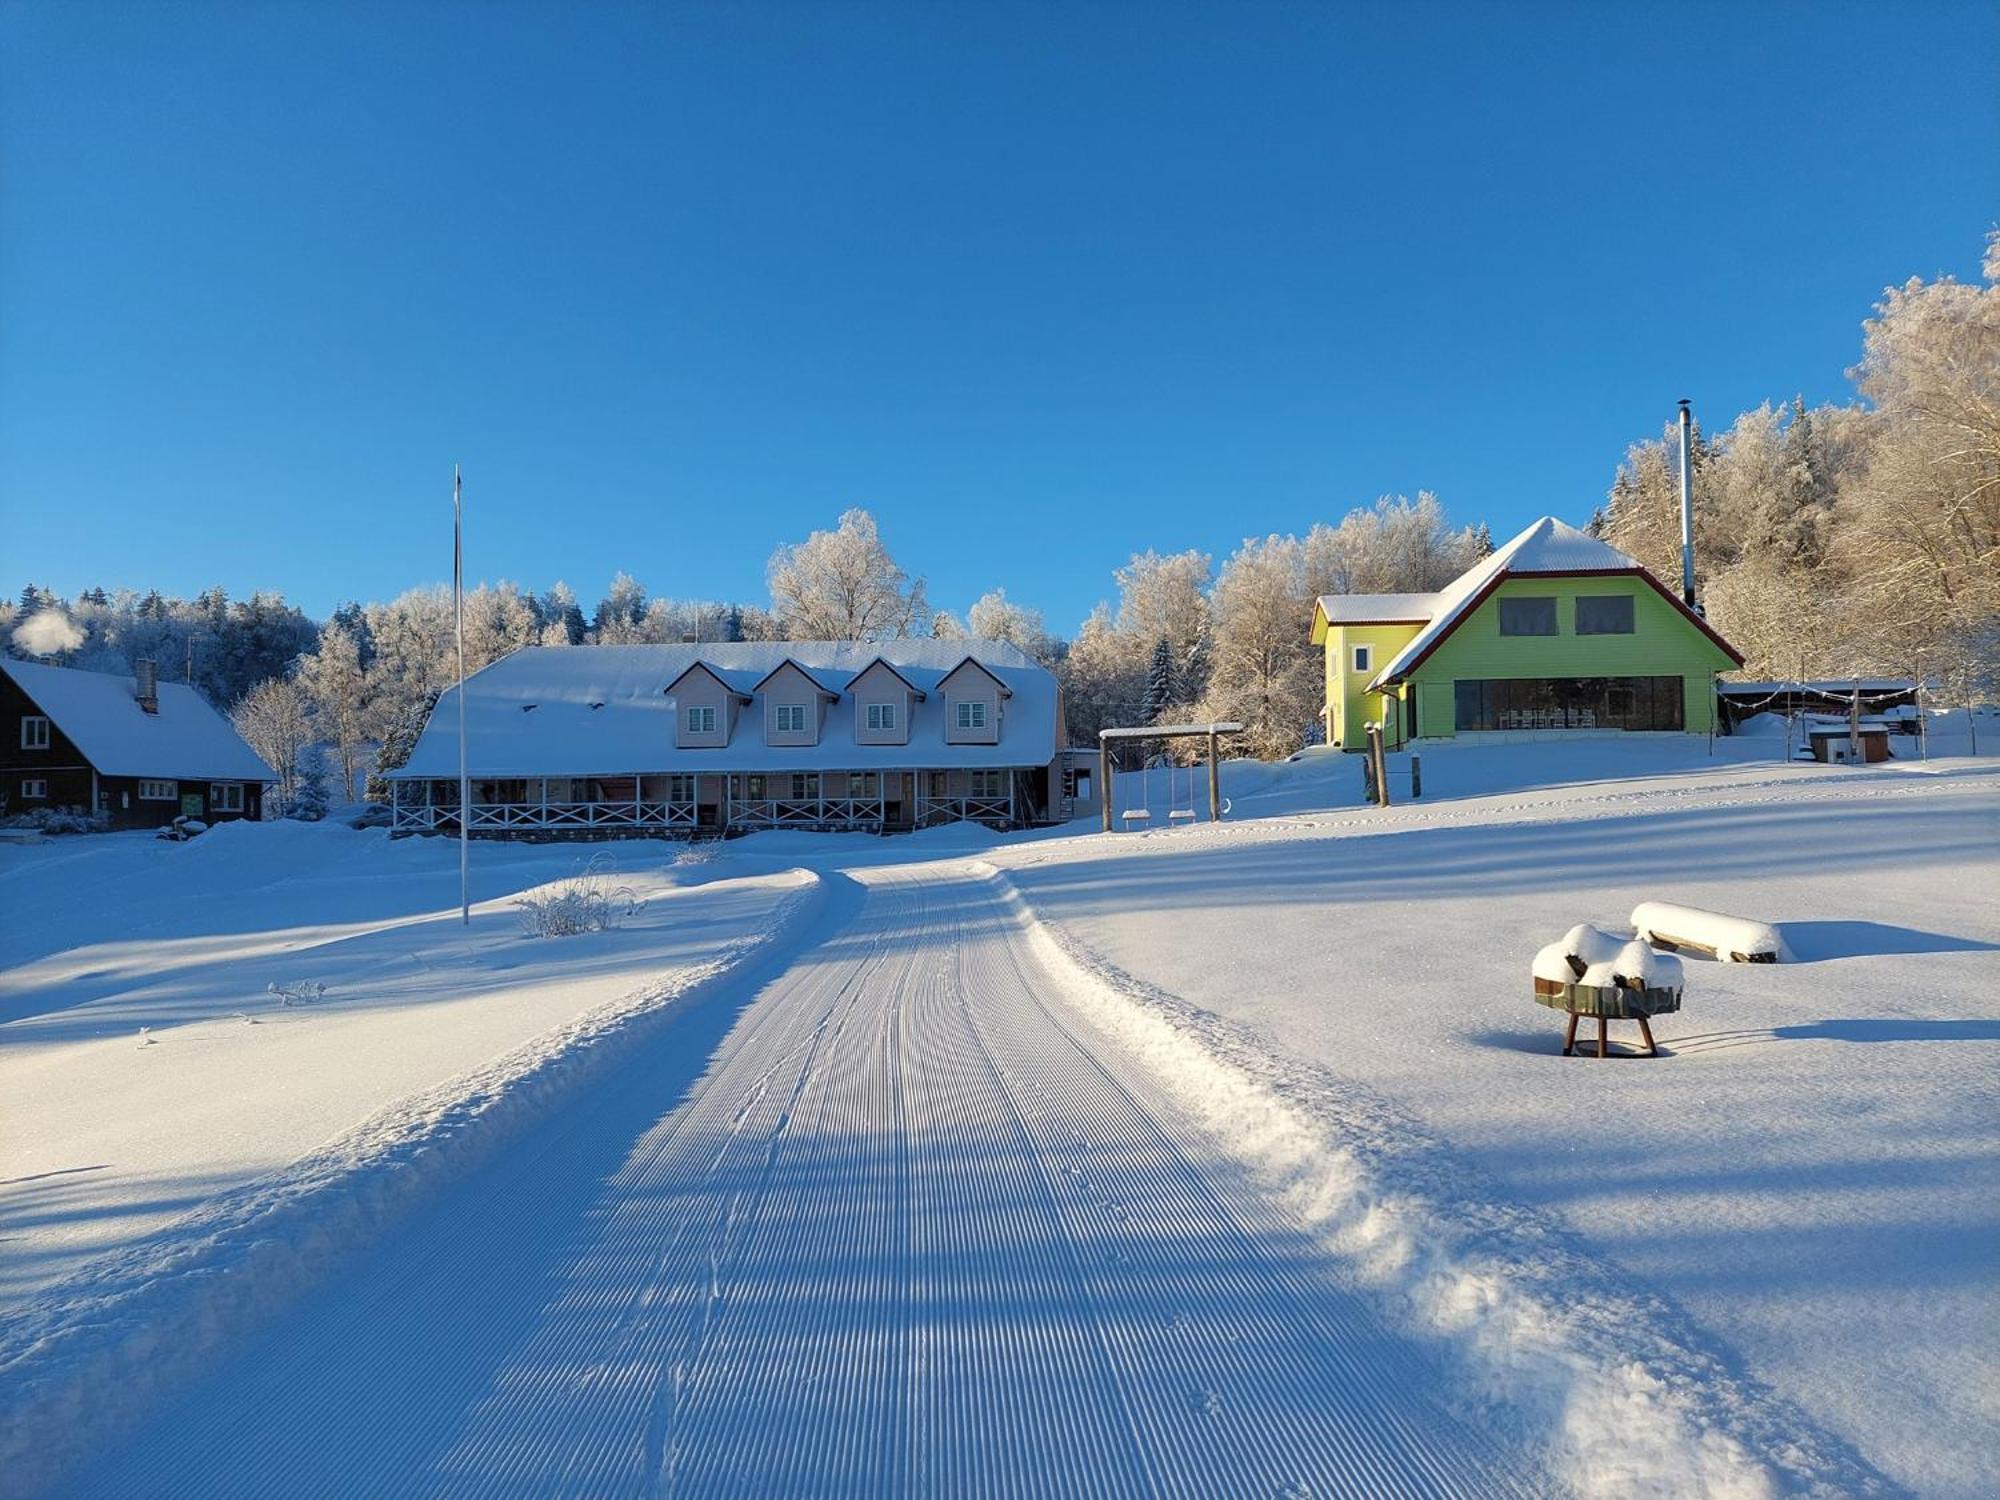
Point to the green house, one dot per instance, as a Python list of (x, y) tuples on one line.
[(1557, 632)]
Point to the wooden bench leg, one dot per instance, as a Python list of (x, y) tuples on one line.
[(1652, 1047), (1569, 1037), (1603, 1036)]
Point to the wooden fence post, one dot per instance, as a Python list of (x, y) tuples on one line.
[(1214, 783), (1104, 782), (1416, 778)]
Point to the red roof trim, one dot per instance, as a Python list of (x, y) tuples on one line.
[(1501, 577)]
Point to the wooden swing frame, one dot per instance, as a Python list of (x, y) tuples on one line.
[(1210, 732)]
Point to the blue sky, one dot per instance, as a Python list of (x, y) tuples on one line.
[(1039, 285)]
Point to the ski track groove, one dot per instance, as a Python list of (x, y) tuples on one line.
[(896, 1226)]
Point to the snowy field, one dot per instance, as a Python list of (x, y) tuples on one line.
[(1207, 1160)]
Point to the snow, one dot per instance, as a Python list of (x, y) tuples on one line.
[(1356, 609), (1730, 939), (186, 740), (1231, 1159), (1591, 944), (603, 710), (1781, 1229)]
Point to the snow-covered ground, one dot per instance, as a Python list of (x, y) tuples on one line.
[(1044, 1164)]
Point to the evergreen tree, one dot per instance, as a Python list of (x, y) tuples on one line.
[(309, 794), (397, 744), (1159, 681)]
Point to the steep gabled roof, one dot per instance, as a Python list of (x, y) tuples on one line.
[(890, 667), (788, 662), (991, 676), (99, 712), (720, 681), (1372, 609), (1547, 549)]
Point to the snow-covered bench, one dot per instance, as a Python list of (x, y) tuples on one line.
[(1734, 940)]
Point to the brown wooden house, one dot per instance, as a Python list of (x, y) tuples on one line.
[(136, 749)]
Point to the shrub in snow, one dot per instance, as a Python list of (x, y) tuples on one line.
[(297, 992), (587, 901), (697, 854), (60, 820), (309, 798)]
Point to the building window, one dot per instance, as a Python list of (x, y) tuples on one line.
[(36, 790), (1604, 614), (159, 791), (881, 716), (805, 786), (863, 784), (940, 783), (791, 718), (1364, 658), (680, 789), (1528, 617), (971, 714), (989, 783), (1653, 703), (701, 720), (226, 796), (34, 732)]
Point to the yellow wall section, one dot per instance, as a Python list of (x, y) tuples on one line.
[(1349, 706)]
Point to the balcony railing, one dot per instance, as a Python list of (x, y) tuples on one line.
[(423, 818)]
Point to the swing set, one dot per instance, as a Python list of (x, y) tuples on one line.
[(1138, 818)]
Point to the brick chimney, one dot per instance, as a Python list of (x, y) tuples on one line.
[(147, 688)]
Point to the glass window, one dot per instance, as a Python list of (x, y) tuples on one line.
[(226, 796), (701, 720), (159, 791), (805, 786), (881, 716), (1645, 703), (1604, 614), (791, 718), (989, 783), (1528, 617), (863, 784), (35, 790), (939, 784), (1364, 658), (34, 732), (971, 714)]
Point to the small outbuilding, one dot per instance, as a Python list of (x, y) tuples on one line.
[(140, 751), (1839, 742)]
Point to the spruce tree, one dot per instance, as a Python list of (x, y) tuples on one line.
[(1159, 681)]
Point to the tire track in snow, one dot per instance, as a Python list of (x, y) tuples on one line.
[(893, 1229)]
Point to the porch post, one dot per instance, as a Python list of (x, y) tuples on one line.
[(1214, 783)]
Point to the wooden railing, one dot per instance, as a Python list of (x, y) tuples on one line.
[(488, 816), (805, 812)]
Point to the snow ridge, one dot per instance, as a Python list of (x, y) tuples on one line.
[(82, 1360), (1615, 1384)]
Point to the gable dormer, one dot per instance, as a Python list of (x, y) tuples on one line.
[(705, 708), (795, 705), (973, 700), (884, 701)]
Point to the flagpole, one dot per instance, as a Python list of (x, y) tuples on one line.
[(458, 629)]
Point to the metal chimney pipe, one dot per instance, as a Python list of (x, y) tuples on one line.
[(1687, 508)]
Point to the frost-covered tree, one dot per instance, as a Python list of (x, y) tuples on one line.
[(399, 739), (946, 626), (1160, 683), (1396, 546), (842, 585), (499, 618), (1265, 673), (337, 688), (308, 802), (995, 617), (562, 619), (621, 613), (275, 721), (1103, 682)]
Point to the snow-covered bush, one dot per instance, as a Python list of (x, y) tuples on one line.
[(297, 992), (60, 820), (698, 854), (587, 901), (309, 796)]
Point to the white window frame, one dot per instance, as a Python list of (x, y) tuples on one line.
[(35, 790), (34, 731), (225, 796), (701, 718), (864, 784), (969, 713), (882, 717), (150, 791), (987, 782), (1364, 658), (789, 718), (805, 786), (680, 788)]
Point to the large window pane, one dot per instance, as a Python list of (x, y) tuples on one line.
[(1527, 617), (1604, 614), (1568, 703)]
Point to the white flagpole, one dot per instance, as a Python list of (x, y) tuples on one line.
[(458, 626)]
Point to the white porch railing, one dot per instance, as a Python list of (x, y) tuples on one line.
[(935, 810), (805, 812), (423, 818)]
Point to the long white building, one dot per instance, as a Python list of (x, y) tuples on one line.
[(722, 737)]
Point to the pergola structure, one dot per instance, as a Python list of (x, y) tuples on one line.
[(1211, 732)]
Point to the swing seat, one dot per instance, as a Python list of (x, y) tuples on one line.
[(1136, 815), (1181, 815)]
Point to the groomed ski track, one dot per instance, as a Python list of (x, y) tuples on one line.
[(885, 1220)]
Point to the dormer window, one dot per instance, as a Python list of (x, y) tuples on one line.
[(971, 714), (881, 716), (701, 720), (790, 718)]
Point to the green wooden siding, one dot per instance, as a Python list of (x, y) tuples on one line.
[(1663, 643)]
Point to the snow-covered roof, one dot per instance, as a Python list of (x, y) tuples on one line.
[(604, 710), (1547, 547), (1362, 609), (99, 711)]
